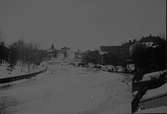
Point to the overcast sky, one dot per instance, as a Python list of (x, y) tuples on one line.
[(80, 23)]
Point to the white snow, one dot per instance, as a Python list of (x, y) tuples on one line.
[(151, 75), (155, 92), (65, 89), (3, 70), (18, 70), (162, 109)]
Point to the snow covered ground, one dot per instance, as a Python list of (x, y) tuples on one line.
[(18, 70), (154, 100), (151, 75), (155, 92), (64, 89), (159, 110)]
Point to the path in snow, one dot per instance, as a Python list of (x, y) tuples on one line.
[(65, 89)]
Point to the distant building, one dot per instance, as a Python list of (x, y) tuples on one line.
[(64, 53), (51, 52), (78, 54), (120, 55), (115, 49), (59, 54), (107, 49)]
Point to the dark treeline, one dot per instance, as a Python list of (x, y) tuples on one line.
[(4, 52), (149, 54), (22, 53)]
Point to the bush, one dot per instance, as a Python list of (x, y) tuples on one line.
[(26, 53), (149, 54)]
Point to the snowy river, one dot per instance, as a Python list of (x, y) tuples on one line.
[(65, 89)]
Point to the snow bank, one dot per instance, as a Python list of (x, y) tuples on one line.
[(162, 109), (157, 74), (18, 70), (155, 92)]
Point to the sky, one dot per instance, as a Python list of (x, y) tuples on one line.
[(84, 24)]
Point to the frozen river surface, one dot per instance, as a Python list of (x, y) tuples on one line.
[(64, 89)]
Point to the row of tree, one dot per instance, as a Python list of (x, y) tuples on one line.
[(22, 53), (148, 54)]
